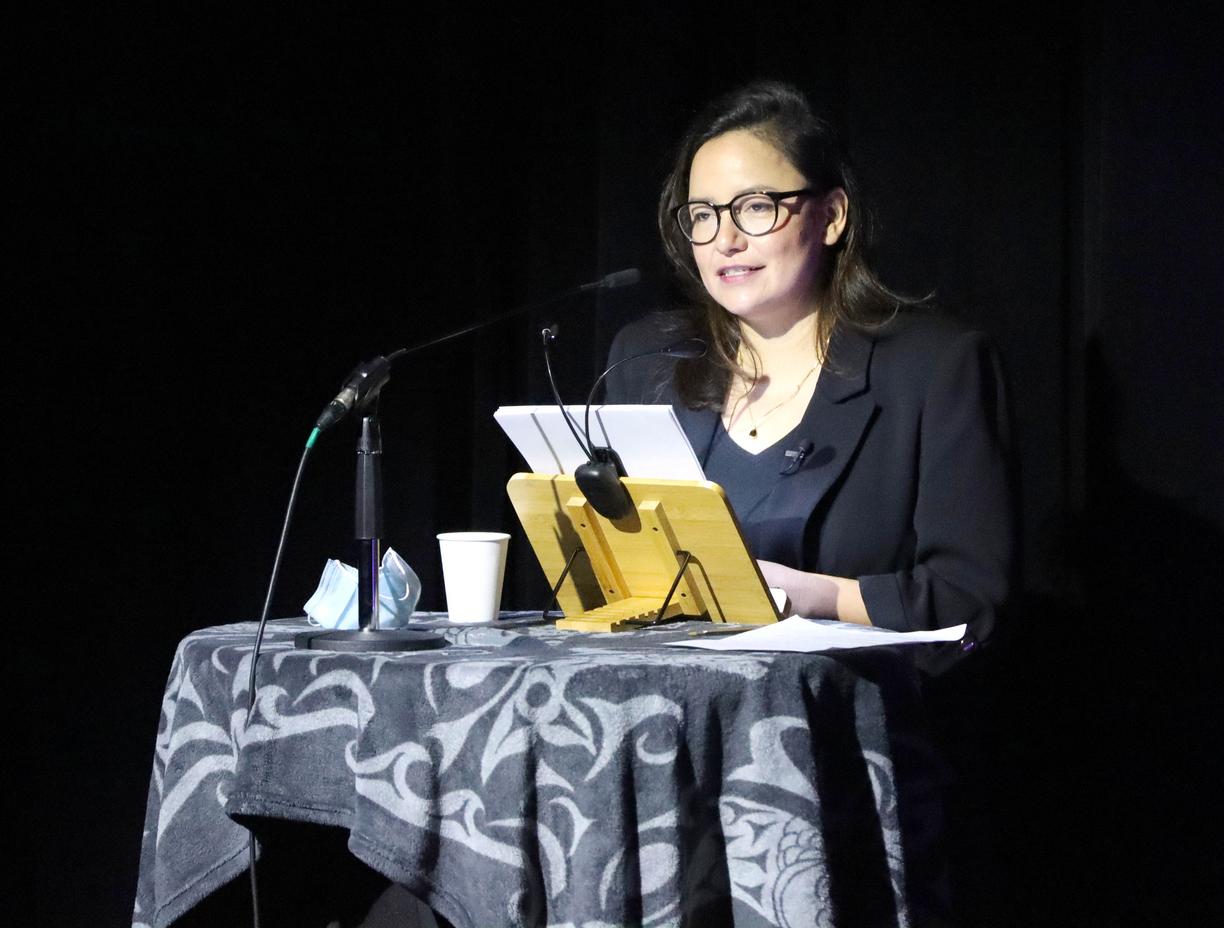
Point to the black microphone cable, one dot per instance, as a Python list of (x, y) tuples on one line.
[(259, 636)]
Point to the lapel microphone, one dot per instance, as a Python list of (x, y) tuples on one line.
[(797, 457)]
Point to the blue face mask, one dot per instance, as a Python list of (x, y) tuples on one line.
[(334, 602)]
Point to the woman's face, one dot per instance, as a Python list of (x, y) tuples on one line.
[(768, 281)]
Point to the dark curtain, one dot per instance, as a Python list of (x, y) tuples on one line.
[(225, 210)]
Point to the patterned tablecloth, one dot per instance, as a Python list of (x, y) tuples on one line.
[(537, 777)]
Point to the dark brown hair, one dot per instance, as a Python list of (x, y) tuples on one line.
[(851, 293)]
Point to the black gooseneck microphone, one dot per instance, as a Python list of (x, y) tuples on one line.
[(362, 385), (599, 477)]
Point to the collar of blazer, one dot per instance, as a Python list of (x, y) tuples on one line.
[(845, 375), (836, 421)]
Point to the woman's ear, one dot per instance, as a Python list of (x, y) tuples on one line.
[(837, 207)]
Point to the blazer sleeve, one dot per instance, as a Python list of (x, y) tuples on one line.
[(964, 514)]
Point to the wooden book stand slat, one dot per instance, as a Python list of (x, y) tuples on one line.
[(631, 564)]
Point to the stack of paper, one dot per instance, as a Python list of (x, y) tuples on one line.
[(648, 439), (800, 634)]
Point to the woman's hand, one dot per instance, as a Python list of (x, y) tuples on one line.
[(817, 596)]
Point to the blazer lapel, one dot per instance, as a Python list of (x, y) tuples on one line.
[(841, 410)]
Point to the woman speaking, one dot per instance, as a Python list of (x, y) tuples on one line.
[(863, 442)]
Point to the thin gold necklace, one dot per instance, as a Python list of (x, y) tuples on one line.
[(756, 423)]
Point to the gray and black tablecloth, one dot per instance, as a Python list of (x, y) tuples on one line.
[(535, 777)]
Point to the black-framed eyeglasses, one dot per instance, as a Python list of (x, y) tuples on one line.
[(754, 213)]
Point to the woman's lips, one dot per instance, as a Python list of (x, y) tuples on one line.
[(734, 273)]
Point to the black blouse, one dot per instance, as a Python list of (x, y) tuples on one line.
[(748, 480)]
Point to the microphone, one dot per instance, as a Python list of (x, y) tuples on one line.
[(359, 387), (797, 457), (623, 278), (363, 384)]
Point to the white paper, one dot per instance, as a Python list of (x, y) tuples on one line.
[(648, 439), (541, 437), (800, 634), (779, 598)]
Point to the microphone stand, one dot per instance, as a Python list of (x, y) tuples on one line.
[(360, 393), (368, 529)]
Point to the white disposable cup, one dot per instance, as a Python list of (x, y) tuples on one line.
[(473, 567)]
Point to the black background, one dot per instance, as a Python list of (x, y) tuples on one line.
[(221, 211)]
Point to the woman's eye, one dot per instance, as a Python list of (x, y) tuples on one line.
[(700, 215), (757, 206)]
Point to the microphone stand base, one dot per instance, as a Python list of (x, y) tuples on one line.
[(385, 639)]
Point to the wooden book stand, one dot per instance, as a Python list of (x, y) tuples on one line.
[(679, 553)]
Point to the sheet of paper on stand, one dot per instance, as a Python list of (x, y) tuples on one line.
[(648, 439), (800, 634)]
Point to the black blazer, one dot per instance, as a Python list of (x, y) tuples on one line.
[(908, 485)]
